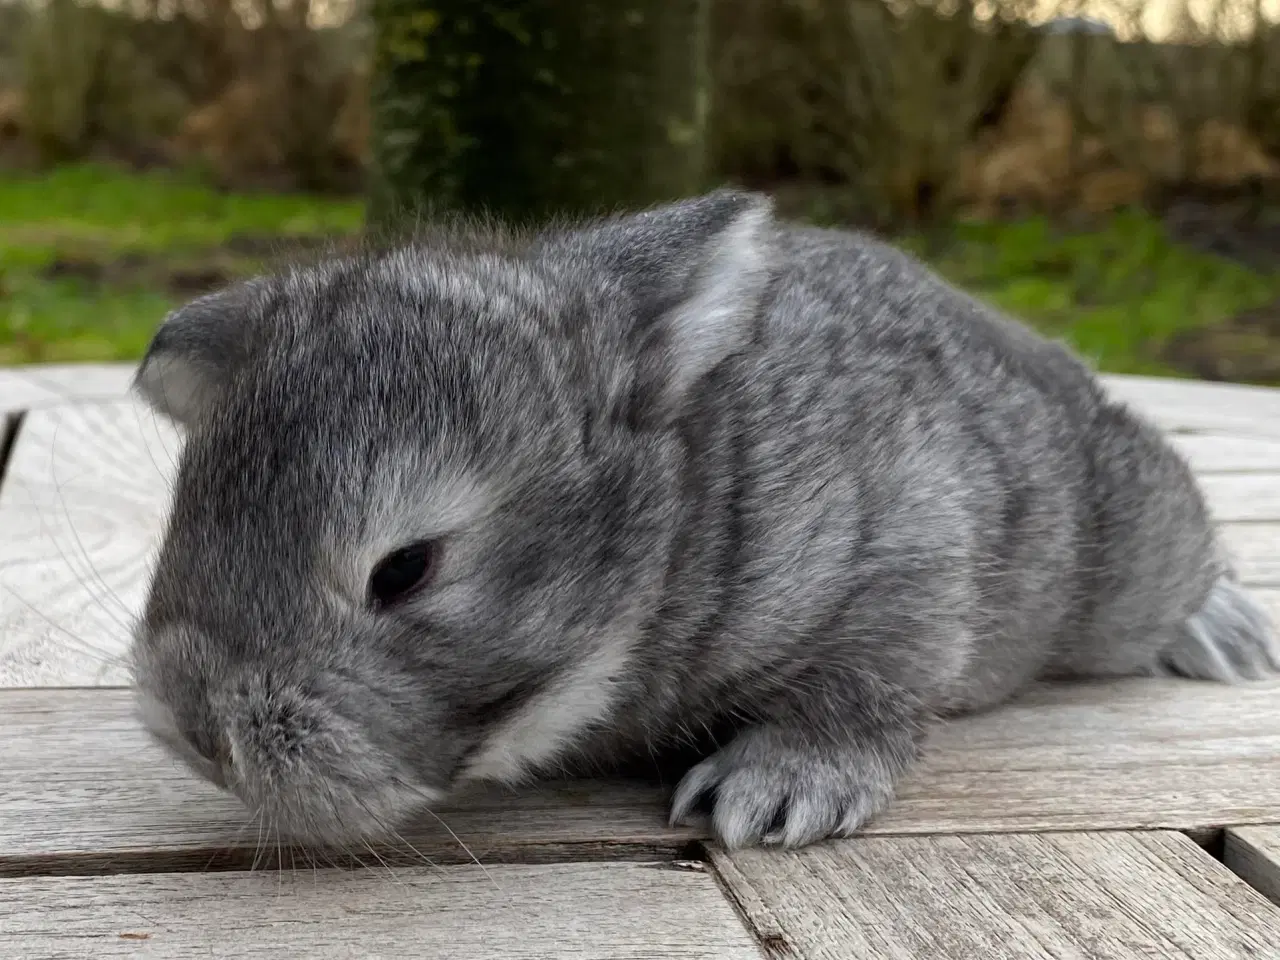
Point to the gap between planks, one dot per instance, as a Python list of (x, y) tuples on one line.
[(86, 790), (607, 911), (10, 425), (1000, 896), (1254, 854)]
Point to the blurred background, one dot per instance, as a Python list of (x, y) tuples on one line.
[(1106, 171)]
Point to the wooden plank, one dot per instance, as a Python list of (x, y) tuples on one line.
[(1248, 497), (81, 508), (84, 789), (45, 385), (1255, 549), (1224, 453), (1189, 405), (1254, 854), (1100, 896), (604, 911)]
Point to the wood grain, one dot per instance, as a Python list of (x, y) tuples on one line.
[(81, 508), (1188, 406), (84, 789), (1254, 854), (1249, 497), (1094, 896), (584, 911), (1255, 548), (1225, 453), (44, 385)]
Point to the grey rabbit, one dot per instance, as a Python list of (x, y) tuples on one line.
[(496, 505)]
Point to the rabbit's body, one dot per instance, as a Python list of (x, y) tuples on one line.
[(693, 478)]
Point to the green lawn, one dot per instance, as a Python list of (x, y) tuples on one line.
[(1117, 294), (91, 259)]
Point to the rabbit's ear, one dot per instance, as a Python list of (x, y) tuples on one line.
[(697, 272), (195, 352)]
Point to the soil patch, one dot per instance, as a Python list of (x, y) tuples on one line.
[(1244, 349), (1248, 236), (193, 273), (1243, 227), (273, 246), (140, 271)]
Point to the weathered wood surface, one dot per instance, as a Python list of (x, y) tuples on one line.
[(40, 386), (82, 790), (87, 487), (1242, 497), (81, 507), (1254, 854), (585, 911), (1190, 407), (83, 784), (1210, 453), (1084, 895)]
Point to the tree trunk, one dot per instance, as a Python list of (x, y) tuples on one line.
[(528, 108)]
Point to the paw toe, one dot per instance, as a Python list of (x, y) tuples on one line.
[(694, 790), (1225, 658), (748, 805), (1231, 639)]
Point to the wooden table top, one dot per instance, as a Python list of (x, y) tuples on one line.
[(1117, 820)]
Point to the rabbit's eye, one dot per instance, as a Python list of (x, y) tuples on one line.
[(399, 574)]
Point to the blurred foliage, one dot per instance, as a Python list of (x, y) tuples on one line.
[(918, 109), (85, 85), (1119, 291), (525, 108), (1115, 190), (249, 91), (881, 97), (91, 258)]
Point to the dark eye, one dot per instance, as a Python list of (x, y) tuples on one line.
[(400, 573)]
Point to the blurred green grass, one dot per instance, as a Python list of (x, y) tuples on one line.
[(87, 214), (1117, 292)]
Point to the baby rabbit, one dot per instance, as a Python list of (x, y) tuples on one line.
[(488, 507)]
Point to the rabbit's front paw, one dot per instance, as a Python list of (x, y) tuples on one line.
[(774, 788)]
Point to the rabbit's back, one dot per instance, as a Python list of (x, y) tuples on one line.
[(896, 427)]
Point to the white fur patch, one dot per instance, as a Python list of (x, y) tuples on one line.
[(155, 717), (541, 729), (158, 720), (709, 325), (174, 387)]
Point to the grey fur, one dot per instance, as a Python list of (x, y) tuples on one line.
[(705, 480)]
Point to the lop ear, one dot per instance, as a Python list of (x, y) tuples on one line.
[(698, 271), (195, 352)]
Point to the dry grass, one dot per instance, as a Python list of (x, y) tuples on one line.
[(251, 92), (926, 107), (1034, 159)]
